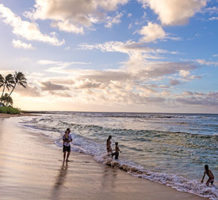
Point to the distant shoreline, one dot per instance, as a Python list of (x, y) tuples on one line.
[(166, 113), (4, 115)]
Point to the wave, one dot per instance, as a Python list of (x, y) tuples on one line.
[(177, 182)]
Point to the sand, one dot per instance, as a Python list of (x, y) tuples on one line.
[(31, 167)]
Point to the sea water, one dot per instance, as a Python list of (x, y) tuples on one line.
[(171, 149)]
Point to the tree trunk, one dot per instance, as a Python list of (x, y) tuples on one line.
[(12, 89), (3, 91)]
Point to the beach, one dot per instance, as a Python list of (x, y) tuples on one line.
[(32, 168)]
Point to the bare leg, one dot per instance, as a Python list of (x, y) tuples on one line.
[(64, 155), (208, 182), (112, 154), (68, 154)]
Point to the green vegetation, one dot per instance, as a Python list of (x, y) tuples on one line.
[(9, 83), (9, 110)]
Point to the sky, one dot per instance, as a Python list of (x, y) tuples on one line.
[(112, 55)]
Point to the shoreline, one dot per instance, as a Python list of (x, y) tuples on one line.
[(4, 115), (30, 159)]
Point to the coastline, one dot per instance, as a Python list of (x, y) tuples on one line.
[(4, 115), (31, 167)]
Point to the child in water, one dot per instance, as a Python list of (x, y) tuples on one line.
[(209, 174), (117, 150)]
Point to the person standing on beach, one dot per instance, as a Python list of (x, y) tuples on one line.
[(66, 144), (108, 145), (209, 174)]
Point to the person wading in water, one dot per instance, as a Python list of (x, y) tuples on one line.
[(108, 145)]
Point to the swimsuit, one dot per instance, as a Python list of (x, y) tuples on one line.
[(66, 146)]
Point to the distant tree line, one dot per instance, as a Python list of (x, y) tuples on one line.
[(8, 84)]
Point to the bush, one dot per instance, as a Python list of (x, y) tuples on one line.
[(9, 110)]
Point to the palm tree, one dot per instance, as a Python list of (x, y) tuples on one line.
[(6, 82), (19, 79), (1, 81), (6, 99)]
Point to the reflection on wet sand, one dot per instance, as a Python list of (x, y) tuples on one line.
[(109, 178), (60, 180)]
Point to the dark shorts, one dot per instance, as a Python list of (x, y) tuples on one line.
[(66, 148), (116, 154)]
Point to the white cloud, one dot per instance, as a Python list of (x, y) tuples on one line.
[(129, 15), (128, 47), (184, 73), (60, 63), (60, 67), (132, 83), (72, 15), (211, 10), (113, 20), (68, 27), (25, 29), (142, 64), (22, 45), (174, 12), (205, 62), (213, 18), (152, 32), (199, 98)]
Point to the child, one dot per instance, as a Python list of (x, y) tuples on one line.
[(66, 144), (209, 174), (117, 150)]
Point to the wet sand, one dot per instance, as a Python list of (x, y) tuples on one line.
[(31, 167)]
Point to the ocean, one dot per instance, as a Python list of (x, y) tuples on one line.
[(168, 148)]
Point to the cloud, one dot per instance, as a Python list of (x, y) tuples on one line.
[(174, 82), (184, 73), (133, 82), (213, 18), (68, 27), (49, 86), (60, 63), (113, 20), (152, 32), (197, 98), (27, 30), (22, 45), (30, 90), (174, 12), (60, 67), (205, 62), (86, 83), (129, 47), (72, 15), (129, 84), (210, 10), (142, 59)]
